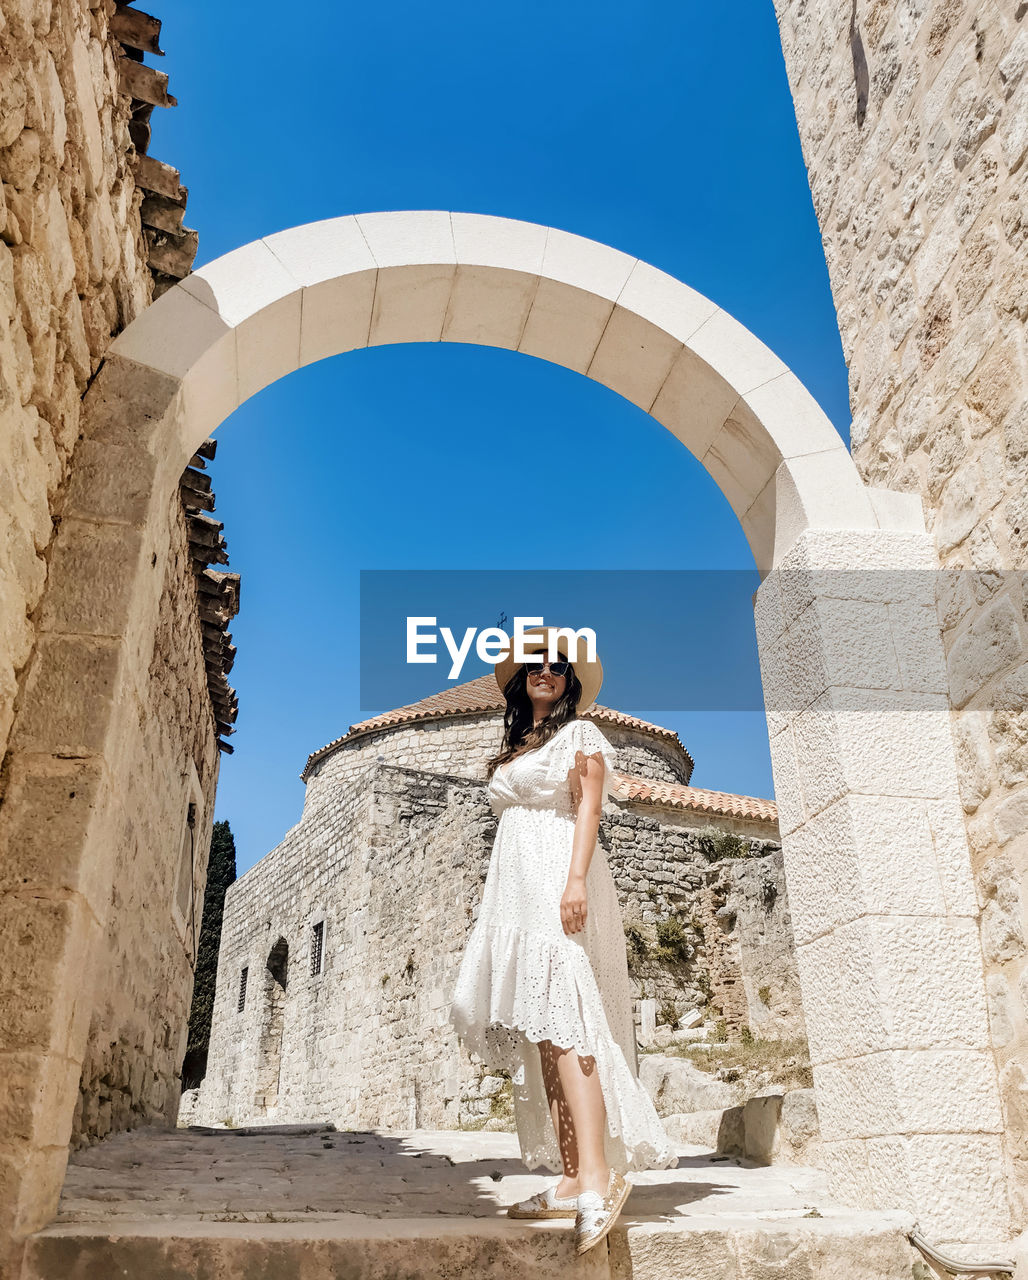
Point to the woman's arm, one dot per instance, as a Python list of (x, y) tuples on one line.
[(587, 791)]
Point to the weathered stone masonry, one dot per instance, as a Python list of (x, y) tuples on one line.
[(82, 252), (922, 206)]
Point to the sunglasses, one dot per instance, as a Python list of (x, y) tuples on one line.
[(556, 668)]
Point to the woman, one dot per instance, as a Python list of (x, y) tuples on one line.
[(543, 986)]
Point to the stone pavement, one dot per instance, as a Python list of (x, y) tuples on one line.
[(309, 1203)]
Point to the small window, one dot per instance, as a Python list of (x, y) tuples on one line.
[(317, 947), (242, 990)]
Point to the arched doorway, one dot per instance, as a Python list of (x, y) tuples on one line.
[(884, 911), (273, 1012)]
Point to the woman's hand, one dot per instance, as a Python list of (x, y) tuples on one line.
[(573, 905)]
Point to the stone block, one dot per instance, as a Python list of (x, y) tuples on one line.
[(893, 983), (586, 264), (69, 694), (800, 1128), (322, 252), (336, 315), (174, 333), (761, 1117), (121, 382), (580, 282), (1011, 818), (489, 306), (896, 510), (88, 116), (876, 742), (30, 1187), (952, 858), (820, 761), (644, 1252), (506, 243), (676, 1086), (405, 239), (849, 1175), (993, 643), (740, 357), (792, 417), (37, 1096), (916, 1174), (332, 261), (112, 482), (50, 802), (707, 1129), (665, 302), (634, 357), (759, 525), (48, 949), (742, 458), (694, 402), (874, 852), (909, 1092), (817, 492), (565, 325), (377, 1251), (410, 303), (788, 793), (255, 295), (185, 338), (93, 569)]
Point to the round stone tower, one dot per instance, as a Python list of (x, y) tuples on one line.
[(458, 730)]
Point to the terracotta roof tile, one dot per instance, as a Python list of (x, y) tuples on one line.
[(695, 798), (478, 695)]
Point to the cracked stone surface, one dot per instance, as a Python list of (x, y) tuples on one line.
[(315, 1203)]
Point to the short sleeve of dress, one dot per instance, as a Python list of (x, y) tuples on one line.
[(584, 736)]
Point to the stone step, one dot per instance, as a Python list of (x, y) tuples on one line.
[(872, 1246)]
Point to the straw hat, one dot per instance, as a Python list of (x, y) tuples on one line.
[(589, 673)]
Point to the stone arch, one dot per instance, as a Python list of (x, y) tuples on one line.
[(272, 1026), (264, 310), (887, 947)]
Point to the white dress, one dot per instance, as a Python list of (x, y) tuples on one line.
[(522, 979)]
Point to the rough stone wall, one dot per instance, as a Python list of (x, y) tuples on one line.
[(749, 951), (661, 867), (145, 983), (392, 860), (73, 271), (392, 864), (921, 205), (463, 745)]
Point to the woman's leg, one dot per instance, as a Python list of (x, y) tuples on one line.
[(576, 1101), (560, 1114), (580, 1081)]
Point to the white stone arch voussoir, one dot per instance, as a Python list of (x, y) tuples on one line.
[(249, 318)]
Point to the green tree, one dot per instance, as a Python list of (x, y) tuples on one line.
[(221, 872)]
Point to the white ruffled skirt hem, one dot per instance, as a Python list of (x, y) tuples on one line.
[(517, 987)]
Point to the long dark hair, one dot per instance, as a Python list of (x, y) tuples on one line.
[(520, 734)]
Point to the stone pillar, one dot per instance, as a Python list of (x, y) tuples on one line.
[(61, 817), (879, 879)]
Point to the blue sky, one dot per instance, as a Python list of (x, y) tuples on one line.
[(664, 129)]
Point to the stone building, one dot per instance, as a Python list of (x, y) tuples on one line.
[(339, 948)]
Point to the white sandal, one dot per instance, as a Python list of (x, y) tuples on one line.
[(545, 1204), (597, 1214)]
